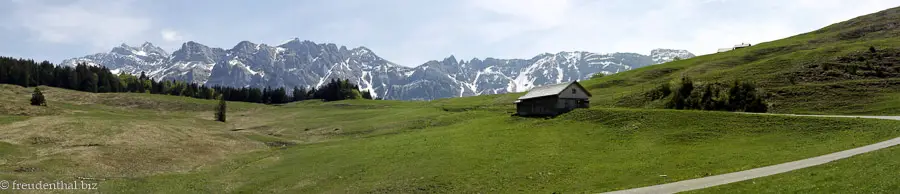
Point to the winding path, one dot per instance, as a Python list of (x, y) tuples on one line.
[(700, 183)]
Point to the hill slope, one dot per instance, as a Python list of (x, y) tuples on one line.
[(827, 71)]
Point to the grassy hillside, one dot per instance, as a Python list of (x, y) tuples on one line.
[(828, 71), (391, 146)]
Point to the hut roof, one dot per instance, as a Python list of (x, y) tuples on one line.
[(550, 90)]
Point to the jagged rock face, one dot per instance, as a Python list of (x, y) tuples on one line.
[(127, 59), (309, 64), (665, 55)]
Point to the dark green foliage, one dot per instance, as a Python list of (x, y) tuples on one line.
[(82, 77), (354, 94), (597, 75), (682, 96), (278, 96), (857, 65), (37, 98), (743, 96), (738, 96), (256, 95), (337, 90), (266, 96), (660, 92), (221, 109), (299, 94), (366, 94), (87, 78)]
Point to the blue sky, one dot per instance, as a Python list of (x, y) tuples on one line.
[(411, 32)]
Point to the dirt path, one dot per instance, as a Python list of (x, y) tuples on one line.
[(705, 182)]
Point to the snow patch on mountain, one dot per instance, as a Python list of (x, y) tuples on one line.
[(666, 55)]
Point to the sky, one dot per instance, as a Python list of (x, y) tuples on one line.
[(412, 32)]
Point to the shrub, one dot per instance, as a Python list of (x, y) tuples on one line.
[(681, 98), (37, 98), (220, 109), (739, 96), (660, 92)]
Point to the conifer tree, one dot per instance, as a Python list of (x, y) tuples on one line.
[(37, 98), (299, 94), (221, 109)]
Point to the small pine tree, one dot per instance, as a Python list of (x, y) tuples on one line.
[(37, 98), (220, 109)]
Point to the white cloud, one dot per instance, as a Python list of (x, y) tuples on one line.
[(538, 13), (96, 24), (171, 36), (700, 26), (509, 18)]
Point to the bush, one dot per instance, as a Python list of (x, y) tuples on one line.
[(597, 75), (37, 98), (660, 92), (739, 96), (682, 97), (221, 109), (354, 94)]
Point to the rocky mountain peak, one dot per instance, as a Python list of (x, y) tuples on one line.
[(146, 50), (193, 51), (361, 50), (296, 44), (150, 48), (245, 46), (667, 55), (450, 60)]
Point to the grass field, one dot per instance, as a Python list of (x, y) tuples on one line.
[(875, 172), (459, 145)]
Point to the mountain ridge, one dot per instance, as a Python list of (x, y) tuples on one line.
[(304, 63)]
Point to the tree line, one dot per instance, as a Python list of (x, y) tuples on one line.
[(82, 77), (736, 96)]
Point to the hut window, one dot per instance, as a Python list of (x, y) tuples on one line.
[(573, 91)]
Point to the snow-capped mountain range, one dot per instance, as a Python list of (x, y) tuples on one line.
[(308, 64)]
